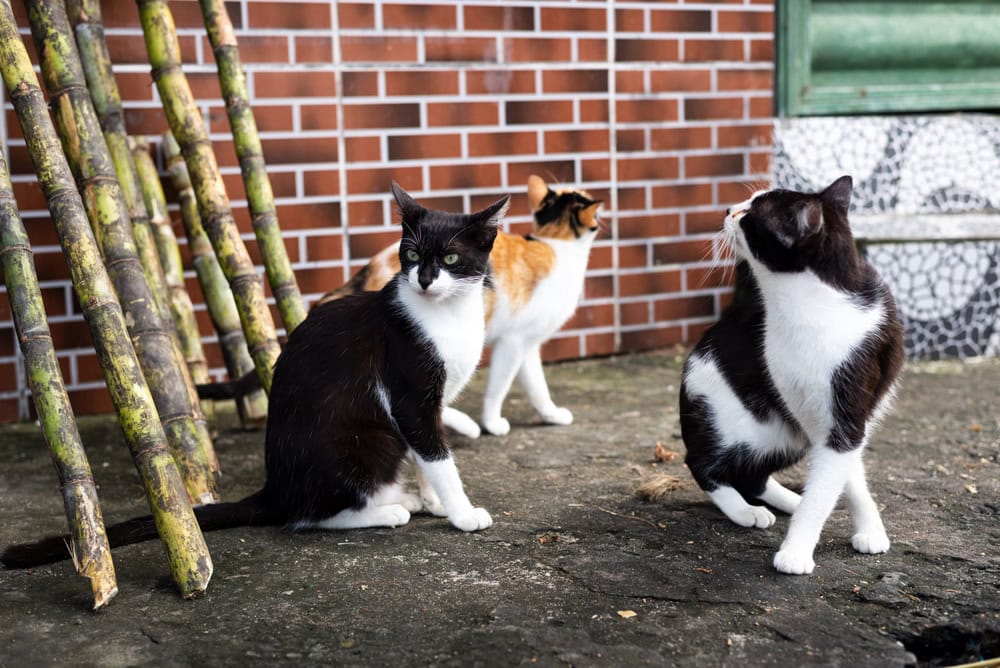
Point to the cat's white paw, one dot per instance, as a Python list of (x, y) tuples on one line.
[(873, 542), (474, 519), (753, 516), (391, 515), (460, 422), (794, 561), (558, 415), (497, 426)]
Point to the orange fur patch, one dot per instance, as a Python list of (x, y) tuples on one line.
[(383, 267), (521, 264)]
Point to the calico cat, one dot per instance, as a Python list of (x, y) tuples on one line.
[(537, 280), (358, 389), (804, 361)]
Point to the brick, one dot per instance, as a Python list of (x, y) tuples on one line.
[(499, 82), (553, 171), (703, 278), (310, 215), (378, 49), (682, 195), (712, 108), (428, 82), (760, 162), (479, 175), (631, 140), (539, 112), (135, 86), (712, 49), (646, 110), (679, 139), (456, 114), (355, 15), (598, 169), (746, 21), (561, 348), (321, 182), (314, 280), (576, 141), (761, 107), (313, 49), (382, 115), (204, 86), (537, 49), (502, 143), (28, 195), (631, 226), (644, 169), (677, 252), (745, 80), (324, 247), (629, 20), (259, 48), (575, 81), (449, 48), (275, 15), (319, 116), (496, 18), (598, 287), (656, 50), (574, 19), (366, 213), (762, 50), (635, 313), (361, 181), (630, 81), (419, 17), (127, 49), (632, 198), (673, 20), (650, 282), (9, 410), (91, 402), (682, 308), (649, 339), (455, 203), (593, 111), (291, 247), (360, 84), (718, 164), (600, 344), (290, 151), (677, 80), (367, 244), (300, 84), (700, 222), (424, 146), (633, 256), (587, 317), (592, 50)]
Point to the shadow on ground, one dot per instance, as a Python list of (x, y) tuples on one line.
[(577, 570)]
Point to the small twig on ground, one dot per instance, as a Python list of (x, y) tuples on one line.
[(651, 523)]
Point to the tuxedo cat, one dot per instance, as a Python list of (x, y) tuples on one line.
[(537, 282), (358, 389), (804, 361)]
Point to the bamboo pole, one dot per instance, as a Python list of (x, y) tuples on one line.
[(187, 554), (88, 539), (251, 156), (91, 162), (213, 203), (218, 297)]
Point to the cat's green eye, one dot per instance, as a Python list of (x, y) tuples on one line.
[(412, 255), (451, 258)]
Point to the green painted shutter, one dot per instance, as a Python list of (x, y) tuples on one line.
[(861, 56)]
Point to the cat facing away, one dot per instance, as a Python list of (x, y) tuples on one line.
[(537, 282), (357, 390), (803, 362)]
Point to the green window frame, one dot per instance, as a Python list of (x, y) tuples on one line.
[(862, 56)]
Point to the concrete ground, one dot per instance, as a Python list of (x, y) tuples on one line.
[(577, 570)]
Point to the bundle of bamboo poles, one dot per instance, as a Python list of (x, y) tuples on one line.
[(187, 554)]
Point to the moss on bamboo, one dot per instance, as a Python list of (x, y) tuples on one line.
[(187, 554), (213, 204), (251, 157), (158, 353), (88, 539)]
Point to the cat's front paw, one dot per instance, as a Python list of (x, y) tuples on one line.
[(794, 561), (558, 415), (460, 422), (754, 516), (497, 426), (474, 519), (874, 542)]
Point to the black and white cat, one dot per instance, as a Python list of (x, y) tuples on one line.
[(358, 389), (803, 361)]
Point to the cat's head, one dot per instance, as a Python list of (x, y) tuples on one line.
[(562, 214), (441, 253), (790, 231)]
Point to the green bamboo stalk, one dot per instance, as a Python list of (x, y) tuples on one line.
[(218, 297), (213, 204), (187, 554), (92, 166), (251, 156), (88, 539)]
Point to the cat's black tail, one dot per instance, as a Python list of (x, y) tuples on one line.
[(230, 389), (251, 511)]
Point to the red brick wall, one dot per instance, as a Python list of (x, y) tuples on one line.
[(661, 109)]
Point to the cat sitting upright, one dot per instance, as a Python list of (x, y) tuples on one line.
[(803, 361), (537, 281), (359, 388)]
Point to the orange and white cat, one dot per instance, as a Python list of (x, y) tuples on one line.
[(537, 282)]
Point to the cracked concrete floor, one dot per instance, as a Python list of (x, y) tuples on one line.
[(577, 569)]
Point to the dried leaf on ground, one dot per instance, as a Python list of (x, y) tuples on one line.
[(658, 487), (662, 454)]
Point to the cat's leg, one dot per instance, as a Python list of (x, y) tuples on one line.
[(869, 532), (458, 421), (828, 473), (532, 378), (428, 496), (394, 494), (505, 360), (392, 515), (442, 475), (735, 507), (778, 496)]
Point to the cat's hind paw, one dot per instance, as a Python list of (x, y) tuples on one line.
[(497, 426), (432, 504), (411, 502), (460, 422), (474, 519), (558, 415), (753, 516), (794, 562), (870, 542)]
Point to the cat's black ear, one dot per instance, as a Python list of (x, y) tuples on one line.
[(407, 205), (493, 214), (838, 194)]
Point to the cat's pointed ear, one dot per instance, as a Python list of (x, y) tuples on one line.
[(538, 190), (838, 194), (407, 205), (493, 214)]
